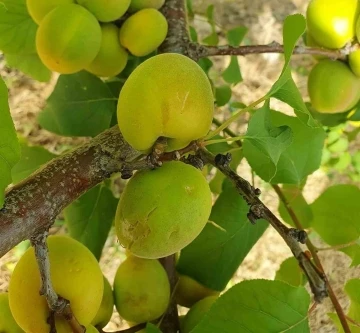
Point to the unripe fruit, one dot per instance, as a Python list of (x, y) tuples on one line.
[(143, 32), (354, 62), (141, 290), (91, 329), (39, 8), (112, 57), (105, 311), (68, 48), (7, 322), (163, 210), (76, 276), (189, 291), (332, 22), (196, 313), (310, 41), (333, 88), (136, 5), (106, 11), (175, 101)]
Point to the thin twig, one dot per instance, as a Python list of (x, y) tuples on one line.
[(352, 321), (336, 247)]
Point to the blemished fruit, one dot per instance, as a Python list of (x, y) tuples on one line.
[(105, 311), (7, 322), (136, 5), (332, 22), (175, 101), (143, 32), (112, 57), (141, 290), (163, 210), (196, 313), (333, 87), (76, 276), (189, 291), (39, 8), (354, 62), (106, 11), (65, 48)]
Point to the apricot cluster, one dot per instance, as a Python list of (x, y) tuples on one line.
[(94, 35), (334, 86)]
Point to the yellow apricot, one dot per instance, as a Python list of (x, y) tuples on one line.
[(106, 10), (143, 32), (163, 210), (136, 5), (76, 276), (112, 57), (332, 22), (189, 291), (167, 95), (7, 322), (68, 39), (141, 290), (39, 8), (105, 311)]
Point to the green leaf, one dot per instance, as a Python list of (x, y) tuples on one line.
[(336, 321), (236, 35), (329, 119), (353, 251), (259, 306), (352, 288), (298, 204), (214, 256), (232, 73), (80, 105), (29, 64), (9, 145), (205, 64), (212, 39), (32, 157), (189, 7), (151, 328), (336, 214), (17, 29), (222, 95), (193, 34), (295, 161), (291, 273), (89, 219)]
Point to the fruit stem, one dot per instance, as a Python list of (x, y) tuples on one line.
[(235, 138)]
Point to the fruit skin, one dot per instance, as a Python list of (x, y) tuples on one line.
[(39, 8), (332, 22), (175, 101), (106, 11), (354, 62), (196, 313), (112, 57), (91, 329), (141, 290), (332, 87), (143, 32), (7, 322), (136, 5), (65, 48), (189, 291), (163, 210), (105, 311), (75, 275)]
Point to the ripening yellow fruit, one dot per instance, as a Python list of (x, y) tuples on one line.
[(167, 95), (76, 276), (141, 290), (112, 57), (136, 5), (189, 291), (143, 32), (163, 210), (333, 87), (332, 22), (106, 11), (7, 322), (62, 45), (39, 8)]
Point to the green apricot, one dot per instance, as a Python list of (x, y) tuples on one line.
[(167, 95), (105, 311), (106, 11), (141, 290), (91, 329), (196, 313), (39, 8), (333, 87), (163, 210), (136, 5), (112, 57), (143, 32), (332, 22), (354, 62), (7, 321)]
